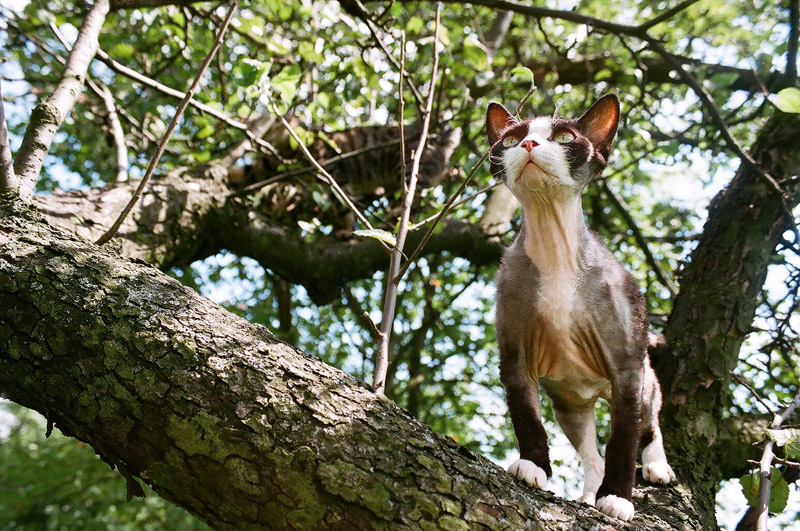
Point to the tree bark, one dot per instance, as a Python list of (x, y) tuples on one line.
[(716, 305), (222, 418)]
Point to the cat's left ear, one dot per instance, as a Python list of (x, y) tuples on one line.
[(599, 123)]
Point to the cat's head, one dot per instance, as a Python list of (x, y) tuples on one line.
[(551, 155)]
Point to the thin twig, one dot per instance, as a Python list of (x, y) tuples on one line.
[(363, 14), (666, 15), (448, 205), (308, 169), (48, 116), (765, 467), (460, 202), (121, 149), (750, 388), (392, 277), (169, 91), (173, 124), (641, 241), (8, 179), (337, 190)]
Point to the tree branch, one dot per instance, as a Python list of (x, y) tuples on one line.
[(794, 37), (394, 275), (47, 117), (8, 179), (223, 419), (173, 124)]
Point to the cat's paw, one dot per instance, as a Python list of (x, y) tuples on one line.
[(587, 498), (615, 507), (658, 472), (528, 472)]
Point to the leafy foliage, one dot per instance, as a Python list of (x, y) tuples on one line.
[(60, 483)]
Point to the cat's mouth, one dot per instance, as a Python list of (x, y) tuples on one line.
[(530, 161)]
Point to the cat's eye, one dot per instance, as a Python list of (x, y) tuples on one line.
[(510, 141), (564, 137)]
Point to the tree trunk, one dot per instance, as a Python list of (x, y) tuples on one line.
[(714, 310), (225, 420)]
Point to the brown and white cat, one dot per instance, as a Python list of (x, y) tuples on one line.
[(569, 317)]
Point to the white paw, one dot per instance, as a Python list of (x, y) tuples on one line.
[(615, 507), (587, 498), (528, 472), (658, 472)]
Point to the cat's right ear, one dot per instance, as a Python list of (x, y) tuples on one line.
[(497, 120)]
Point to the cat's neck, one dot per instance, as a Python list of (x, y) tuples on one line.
[(553, 229)]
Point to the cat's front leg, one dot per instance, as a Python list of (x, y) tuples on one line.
[(614, 494), (533, 466)]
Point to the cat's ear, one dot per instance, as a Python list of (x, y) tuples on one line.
[(497, 119), (599, 123)]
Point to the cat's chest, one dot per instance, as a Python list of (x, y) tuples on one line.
[(565, 345)]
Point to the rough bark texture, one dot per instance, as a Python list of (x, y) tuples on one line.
[(716, 305), (227, 421)]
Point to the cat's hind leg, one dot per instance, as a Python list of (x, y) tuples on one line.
[(578, 424), (655, 468)]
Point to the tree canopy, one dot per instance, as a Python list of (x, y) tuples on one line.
[(281, 194)]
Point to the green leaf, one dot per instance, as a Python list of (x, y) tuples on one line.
[(378, 234), (475, 54), (778, 495), (308, 52), (252, 71), (523, 71), (779, 492), (285, 83), (122, 50), (788, 100), (789, 438)]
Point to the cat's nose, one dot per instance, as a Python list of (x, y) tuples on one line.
[(529, 144)]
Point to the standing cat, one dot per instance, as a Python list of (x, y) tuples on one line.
[(569, 317)]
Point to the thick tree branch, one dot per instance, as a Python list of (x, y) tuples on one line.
[(220, 417), (48, 116)]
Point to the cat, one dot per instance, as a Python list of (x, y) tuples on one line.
[(569, 317)]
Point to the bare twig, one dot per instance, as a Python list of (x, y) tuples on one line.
[(461, 201), (363, 14), (765, 466), (173, 124), (447, 206), (392, 276), (666, 15), (308, 169), (641, 241), (753, 392), (47, 117), (8, 179), (118, 134), (337, 190), (169, 91), (121, 149)]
